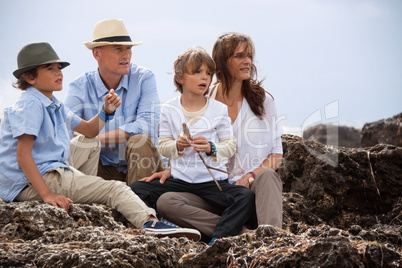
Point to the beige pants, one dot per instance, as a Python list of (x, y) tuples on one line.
[(143, 159), (81, 188), (190, 211)]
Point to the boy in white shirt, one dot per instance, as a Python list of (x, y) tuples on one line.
[(212, 141)]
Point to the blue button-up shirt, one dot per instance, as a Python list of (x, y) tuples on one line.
[(138, 113), (47, 120)]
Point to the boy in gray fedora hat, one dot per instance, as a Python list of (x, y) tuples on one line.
[(36, 160), (129, 141)]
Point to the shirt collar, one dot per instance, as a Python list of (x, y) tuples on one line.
[(42, 98), (101, 89)]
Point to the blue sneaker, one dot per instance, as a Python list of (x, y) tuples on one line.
[(166, 228)]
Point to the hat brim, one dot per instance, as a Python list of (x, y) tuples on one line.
[(91, 45), (17, 73)]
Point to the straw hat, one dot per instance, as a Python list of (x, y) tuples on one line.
[(34, 55), (110, 32)]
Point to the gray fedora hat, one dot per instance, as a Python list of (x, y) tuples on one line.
[(34, 55)]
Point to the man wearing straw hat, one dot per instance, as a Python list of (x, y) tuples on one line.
[(35, 152), (128, 141)]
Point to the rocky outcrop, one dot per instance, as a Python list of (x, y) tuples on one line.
[(342, 208), (336, 181), (387, 131), (333, 135)]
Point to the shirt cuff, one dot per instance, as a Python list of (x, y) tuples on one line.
[(225, 149), (168, 148)]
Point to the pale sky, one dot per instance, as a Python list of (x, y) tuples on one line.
[(324, 61)]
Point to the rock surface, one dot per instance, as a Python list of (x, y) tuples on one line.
[(333, 135), (342, 208), (336, 181), (387, 131)]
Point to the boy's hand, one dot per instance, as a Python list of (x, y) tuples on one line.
[(58, 201), (112, 101), (182, 142), (201, 144)]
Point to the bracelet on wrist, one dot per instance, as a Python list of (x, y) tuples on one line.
[(213, 149), (104, 117), (252, 174), (106, 113)]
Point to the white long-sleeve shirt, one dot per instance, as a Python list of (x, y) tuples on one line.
[(256, 138), (214, 124), (225, 148)]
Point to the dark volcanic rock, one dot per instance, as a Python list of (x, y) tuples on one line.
[(386, 131), (341, 208), (30, 220), (333, 135), (335, 181)]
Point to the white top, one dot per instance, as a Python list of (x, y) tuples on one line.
[(225, 148), (214, 125), (256, 138)]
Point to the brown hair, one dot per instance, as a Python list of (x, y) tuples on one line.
[(252, 89), (189, 62), (22, 83)]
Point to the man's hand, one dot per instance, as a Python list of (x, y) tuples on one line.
[(112, 101)]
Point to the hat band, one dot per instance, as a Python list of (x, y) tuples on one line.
[(114, 39)]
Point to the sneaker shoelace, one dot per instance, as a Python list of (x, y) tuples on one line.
[(168, 223)]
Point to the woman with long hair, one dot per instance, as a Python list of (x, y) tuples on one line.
[(258, 133)]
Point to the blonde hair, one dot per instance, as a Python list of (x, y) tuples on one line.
[(189, 62)]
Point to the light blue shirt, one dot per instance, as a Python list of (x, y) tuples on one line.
[(47, 120), (138, 113)]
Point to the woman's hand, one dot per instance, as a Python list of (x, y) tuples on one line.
[(112, 101), (244, 180), (162, 175)]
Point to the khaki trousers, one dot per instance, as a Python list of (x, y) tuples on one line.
[(190, 211), (88, 189), (143, 159)]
